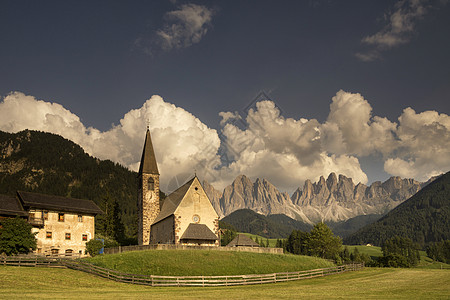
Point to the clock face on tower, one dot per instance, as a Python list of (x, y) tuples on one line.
[(196, 218)]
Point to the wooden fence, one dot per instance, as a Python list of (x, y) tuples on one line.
[(156, 280)]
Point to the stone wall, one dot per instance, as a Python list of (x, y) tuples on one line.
[(121, 249), (70, 233), (148, 206)]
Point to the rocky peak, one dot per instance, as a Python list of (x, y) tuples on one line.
[(332, 182)]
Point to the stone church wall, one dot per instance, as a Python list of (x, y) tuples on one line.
[(196, 208)]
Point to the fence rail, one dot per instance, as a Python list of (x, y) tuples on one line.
[(157, 280)]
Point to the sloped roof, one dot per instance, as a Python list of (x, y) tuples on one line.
[(242, 240), (198, 232), (11, 206), (148, 160), (58, 203), (172, 201)]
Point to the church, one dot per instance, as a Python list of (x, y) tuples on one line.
[(185, 217)]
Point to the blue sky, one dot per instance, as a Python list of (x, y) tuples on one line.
[(102, 59)]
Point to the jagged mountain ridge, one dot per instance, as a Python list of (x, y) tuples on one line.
[(335, 199)]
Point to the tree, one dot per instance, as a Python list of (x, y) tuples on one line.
[(93, 247), (16, 236), (296, 242), (110, 224), (227, 236), (345, 255), (355, 256), (439, 251), (399, 252), (321, 242)]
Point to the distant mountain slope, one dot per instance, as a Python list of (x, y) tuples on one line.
[(272, 226), (346, 228), (424, 218), (47, 163)]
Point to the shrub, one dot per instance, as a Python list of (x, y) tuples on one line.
[(16, 236), (93, 247)]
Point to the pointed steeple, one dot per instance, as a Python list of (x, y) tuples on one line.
[(148, 160)]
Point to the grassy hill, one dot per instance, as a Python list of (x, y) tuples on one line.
[(424, 218), (47, 163), (272, 226), (206, 262)]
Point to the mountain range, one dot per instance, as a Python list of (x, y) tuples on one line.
[(335, 199), (47, 163)]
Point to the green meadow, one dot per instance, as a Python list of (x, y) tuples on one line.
[(371, 283)]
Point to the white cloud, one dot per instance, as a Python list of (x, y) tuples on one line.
[(351, 129), (228, 116), (398, 30), (182, 142), (284, 151), (264, 144), (424, 145), (185, 26)]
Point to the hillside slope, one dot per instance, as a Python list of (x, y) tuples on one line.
[(47, 163), (424, 218), (272, 226)]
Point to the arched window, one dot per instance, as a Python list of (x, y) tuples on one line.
[(151, 184)]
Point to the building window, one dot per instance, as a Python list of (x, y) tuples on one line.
[(80, 218), (60, 217), (151, 184), (67, 235), (45, 213), (48, 235), (84, 237), (55, 251)]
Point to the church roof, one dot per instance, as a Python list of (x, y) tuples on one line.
[(172, 201), (198, 232), (58, 203), (11, 206), (242, 240), (148, 160)]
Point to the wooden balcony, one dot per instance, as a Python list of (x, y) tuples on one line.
[(36, 222)]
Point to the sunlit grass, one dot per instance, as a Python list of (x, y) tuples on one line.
[(371, 283), (204, 262)]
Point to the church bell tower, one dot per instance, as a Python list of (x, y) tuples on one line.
[(148, 191)]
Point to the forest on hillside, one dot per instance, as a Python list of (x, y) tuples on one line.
[(47, 163), (424, 218)]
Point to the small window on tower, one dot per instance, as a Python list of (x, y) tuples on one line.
[(151, 184)]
